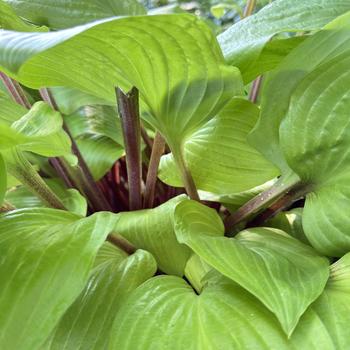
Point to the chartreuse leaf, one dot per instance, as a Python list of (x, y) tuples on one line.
[(87, 323), (176, 63), (284, 274), (283, 80), (290, 222), (3, 179), (97, 131), (39, 131), (9, 20), (235, 200), (152, 230), (218, 155), (21, 197), (10, 111), (226, 316), (59, 14), (70, 100), (272, 54), (42, 130), (99, 152), (46, 258), (195, 271), (166, 313), (328, 317), (315, 140), (243, 42)]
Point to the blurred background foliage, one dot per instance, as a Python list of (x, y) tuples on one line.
[(219, 14)]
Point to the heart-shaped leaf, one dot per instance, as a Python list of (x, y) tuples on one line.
[(46, 258), (166, 313), (242, 43), (284, 274), (59, 14), (226, 316), (87, 323), (218, 155), (153, 230), (176, 64)]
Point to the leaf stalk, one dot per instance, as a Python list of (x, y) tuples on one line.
[(128, 108)]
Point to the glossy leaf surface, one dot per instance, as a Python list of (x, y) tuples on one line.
[(218, 155), (46, 258), (284, 274), (87, 323), (153, 230), (176, 64)]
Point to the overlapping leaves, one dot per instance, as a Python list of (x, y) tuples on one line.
[(153, 230), (284, 274), (45, 264), (304, 117), (244, 41), (226, 315), (218, 154), (176, 64), (87, 323)]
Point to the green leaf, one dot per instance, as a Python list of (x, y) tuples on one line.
[(314, 138), (328, 318), (243, 42), (152, 230), (284, 274), (99, 152), (290, 222), (21, 197), (271, 55), (195, 271), (176, 63), (9, 20), (39, 131), (96, 119), (97, 132), (46, 258), (226, 316), (87, 323), (70, 100), (218, 155), (42, 128), (235, 200), (59, 14), (3, 180), (283, 80), (10, 111), (166, 313)]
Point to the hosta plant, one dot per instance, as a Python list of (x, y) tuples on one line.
[(164, 188)]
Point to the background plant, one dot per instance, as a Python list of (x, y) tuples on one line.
[(165, 187)]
